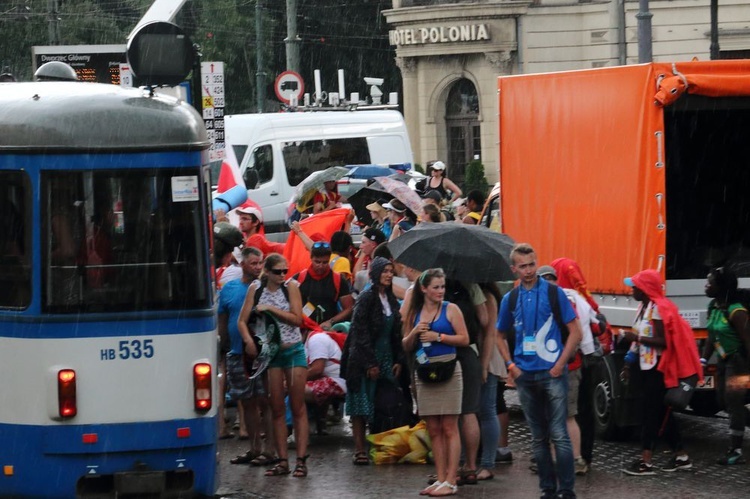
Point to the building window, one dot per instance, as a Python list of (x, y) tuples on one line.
[(734, 54), (463, 128)]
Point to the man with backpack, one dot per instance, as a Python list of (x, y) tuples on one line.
[(326, 295), (546, 332)]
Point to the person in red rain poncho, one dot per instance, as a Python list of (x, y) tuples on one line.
[(663, 346)]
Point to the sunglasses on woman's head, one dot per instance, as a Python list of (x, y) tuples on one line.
[(279, 271), (321, 244)]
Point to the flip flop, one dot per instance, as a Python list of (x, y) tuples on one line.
[(226, 436), (490, 475)]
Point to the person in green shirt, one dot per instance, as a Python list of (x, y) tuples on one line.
[(729, 338)]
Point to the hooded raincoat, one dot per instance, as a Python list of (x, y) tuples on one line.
[(680, 357)]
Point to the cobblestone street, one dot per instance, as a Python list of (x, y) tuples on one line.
[(332, 475)]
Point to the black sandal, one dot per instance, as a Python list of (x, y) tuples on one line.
[(279, 469), (264, 459), (300, 471), (360, 458), (245, 458), (467, 477)]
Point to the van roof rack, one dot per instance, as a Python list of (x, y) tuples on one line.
[(321, 100)]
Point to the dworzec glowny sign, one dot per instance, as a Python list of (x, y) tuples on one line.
[(440, 34)]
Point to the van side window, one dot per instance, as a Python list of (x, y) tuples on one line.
[(307, 156), (259, 167)]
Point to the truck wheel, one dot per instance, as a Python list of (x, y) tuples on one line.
[(604, 405)]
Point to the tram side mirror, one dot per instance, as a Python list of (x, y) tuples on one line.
[(160, 54)]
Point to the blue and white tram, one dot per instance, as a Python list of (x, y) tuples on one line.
[(107, 326)]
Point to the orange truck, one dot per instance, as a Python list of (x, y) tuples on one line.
[(628, 168)]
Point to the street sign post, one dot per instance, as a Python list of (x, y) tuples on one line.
[(288, 86), (212, 92)]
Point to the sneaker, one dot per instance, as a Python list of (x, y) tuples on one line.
[(533, 467), (504, 457), (640, 468), (677, 464), (581, 467), (548, 494), (733, 456)]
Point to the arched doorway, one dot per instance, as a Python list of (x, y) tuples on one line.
[(463, 128)]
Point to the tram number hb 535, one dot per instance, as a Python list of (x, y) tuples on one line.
[(129, 349)]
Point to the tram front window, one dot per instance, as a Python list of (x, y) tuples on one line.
[(123, 241), (15, 237)]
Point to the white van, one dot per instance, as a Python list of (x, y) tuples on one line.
[(277, 151)]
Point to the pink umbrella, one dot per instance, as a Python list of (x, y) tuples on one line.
[(402, 192)]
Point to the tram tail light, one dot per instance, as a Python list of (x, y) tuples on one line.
[(66, 393), (202, 386)]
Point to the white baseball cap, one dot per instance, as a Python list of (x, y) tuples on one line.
[(438, 165), (251, 210)]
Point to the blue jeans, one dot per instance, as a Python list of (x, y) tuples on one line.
[(544, 402), (488, 424)]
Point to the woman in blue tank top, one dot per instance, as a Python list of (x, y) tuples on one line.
[(438, 327)]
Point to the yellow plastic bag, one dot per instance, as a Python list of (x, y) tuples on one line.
[(401, 445)]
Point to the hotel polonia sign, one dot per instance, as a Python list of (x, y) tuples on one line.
[(439, 34)]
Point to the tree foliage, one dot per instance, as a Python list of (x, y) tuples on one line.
[(335, 35), (475, 178)]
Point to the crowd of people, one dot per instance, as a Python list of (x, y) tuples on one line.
[(354, 321)]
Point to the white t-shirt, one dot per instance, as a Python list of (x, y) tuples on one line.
[(586, 316), (643, 327), (322, 346)]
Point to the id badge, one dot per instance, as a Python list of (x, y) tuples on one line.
[(529, 345), (308, 309)]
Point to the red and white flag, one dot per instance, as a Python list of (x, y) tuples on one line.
[(229, 175)]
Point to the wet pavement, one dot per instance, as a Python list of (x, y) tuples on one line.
[(333, 476)]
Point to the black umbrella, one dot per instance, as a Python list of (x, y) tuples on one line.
[(363, 197), (471, 253)]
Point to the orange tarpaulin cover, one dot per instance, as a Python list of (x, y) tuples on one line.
[(318, 227), (582, 161)]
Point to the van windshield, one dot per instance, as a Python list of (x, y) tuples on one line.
[(307, 156)]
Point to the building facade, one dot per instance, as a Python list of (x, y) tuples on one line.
[(450, 54)]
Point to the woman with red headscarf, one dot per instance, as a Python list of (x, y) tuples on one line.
[(663, 346)]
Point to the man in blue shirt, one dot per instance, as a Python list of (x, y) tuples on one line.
[(250, 394), (538, 365)]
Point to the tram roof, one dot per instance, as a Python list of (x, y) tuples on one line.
[(75, 116)]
